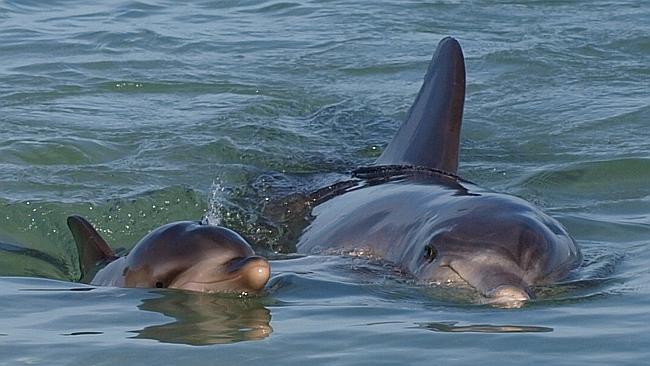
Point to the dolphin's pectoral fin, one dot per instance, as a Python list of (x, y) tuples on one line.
[(430, 136), (91, 246)]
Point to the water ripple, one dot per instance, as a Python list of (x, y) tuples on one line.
[(128, 111)]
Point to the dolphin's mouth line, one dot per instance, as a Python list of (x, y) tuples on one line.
[(208, 286), (465, 281), (225, 280), (490, 295), (214, 282), (215, 286)]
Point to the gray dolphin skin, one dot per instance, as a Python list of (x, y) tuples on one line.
[(410, 208), (184, 255)]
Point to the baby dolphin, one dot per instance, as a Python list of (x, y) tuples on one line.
[(411, 208), (184, 255)]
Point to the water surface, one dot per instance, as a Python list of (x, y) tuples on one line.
[(138, 113)]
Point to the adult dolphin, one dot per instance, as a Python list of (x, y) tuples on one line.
[(410, 208), (186, 255)]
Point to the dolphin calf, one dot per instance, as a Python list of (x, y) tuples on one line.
[(184, 255), (411, 208)]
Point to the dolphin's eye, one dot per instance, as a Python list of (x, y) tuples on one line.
[(430, 253), (159, 284)]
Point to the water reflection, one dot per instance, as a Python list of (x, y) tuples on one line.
[(451, 327), (205, 319)]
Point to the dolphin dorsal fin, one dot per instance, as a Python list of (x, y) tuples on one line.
[(91, 246), (430, 136)]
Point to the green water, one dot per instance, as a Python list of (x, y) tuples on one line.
[(138, 113)]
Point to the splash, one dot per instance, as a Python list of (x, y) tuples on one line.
[(215, 205)]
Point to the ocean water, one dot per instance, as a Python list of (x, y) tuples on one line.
[(138, 113)]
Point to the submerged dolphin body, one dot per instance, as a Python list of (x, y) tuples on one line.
[(185, 255), (411, 208)]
